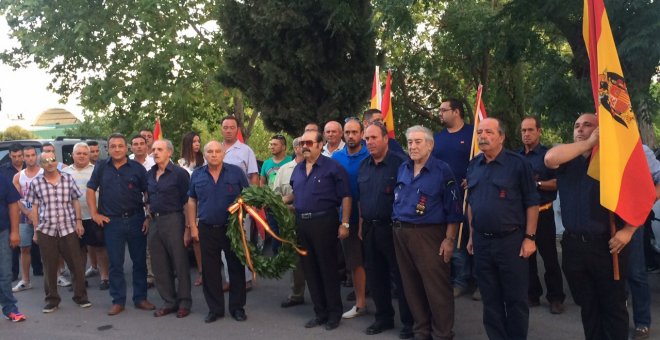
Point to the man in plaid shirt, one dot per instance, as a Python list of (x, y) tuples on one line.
[(58, 220)]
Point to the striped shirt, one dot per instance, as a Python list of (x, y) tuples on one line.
[(56, 214)]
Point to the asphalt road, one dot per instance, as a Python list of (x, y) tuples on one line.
[(266, 320)]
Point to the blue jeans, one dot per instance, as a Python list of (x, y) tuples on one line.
[(119, 232), (638, 283), (461, 264), (7, 300)]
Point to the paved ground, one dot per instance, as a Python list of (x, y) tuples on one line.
[(266, 320)]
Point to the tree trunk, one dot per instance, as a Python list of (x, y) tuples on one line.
[(645, 123)]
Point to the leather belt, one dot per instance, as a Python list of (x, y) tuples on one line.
[(586, 237), (501, 234), (128, 214), (387, 222), (313, 215), (545, 206), (163, 214), (399, 224)]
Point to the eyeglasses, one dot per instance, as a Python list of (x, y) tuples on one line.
[(307, 143), (378, 123), (443, 110), (48, 160)]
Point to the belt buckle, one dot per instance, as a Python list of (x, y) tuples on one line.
[(489, 235), (306, 216), (396, 224)]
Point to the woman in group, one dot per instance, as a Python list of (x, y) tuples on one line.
[(191, 159)]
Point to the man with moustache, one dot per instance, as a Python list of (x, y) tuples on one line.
[(376, 182), (350, 157), (586, 244), (546, 185), (167, 186), (213, 188), (426, 212), (332, 133), (320, 186), (503, 211)]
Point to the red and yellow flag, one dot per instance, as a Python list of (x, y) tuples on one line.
[(375, 91), (479, 115), (158, 133), (626, 187), (386, 106)]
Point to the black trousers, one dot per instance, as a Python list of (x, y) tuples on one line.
[(588, 268), (503, 277), (213, 240), (319, 237), (547, 247), (35, 253), (382, 269)]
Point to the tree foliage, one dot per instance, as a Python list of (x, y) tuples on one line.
[(298, 61), (16, 133)]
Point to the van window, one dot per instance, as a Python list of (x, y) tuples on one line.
[(67, 154)]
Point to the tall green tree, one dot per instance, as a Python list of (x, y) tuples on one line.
[(298, 61)]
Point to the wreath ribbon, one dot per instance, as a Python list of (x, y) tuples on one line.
[(239, 206)]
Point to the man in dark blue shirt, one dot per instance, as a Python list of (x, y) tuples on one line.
[(320, 185), (503, 207), (122, 184), (213, 188), (167, 185), (375, 115), (546, 185), (452, 146), (10, 169), (376, 180), (586, 243), (426, 212)]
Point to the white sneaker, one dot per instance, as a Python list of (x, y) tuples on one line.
[(21, 286), (62, 281), (354, 312), (91, 272)]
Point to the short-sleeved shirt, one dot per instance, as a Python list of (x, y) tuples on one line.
[(81, 176), (453, 148), (213, 198), (351, 163), (654, 163), (243, 157), (121, 190), (56, 214), (540, 171), (327, 152), (431, 197), (500, 191), (376, 182), (170, 192), (581, 211), (324, 188), (9, 171), (282, 182), (8, 195), (270, 168)]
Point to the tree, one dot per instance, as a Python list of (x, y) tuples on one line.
[(298, 62), (16, 133)]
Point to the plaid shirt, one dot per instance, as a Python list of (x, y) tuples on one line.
[(56, 214)]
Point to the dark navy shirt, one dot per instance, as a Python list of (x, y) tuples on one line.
[(351, 164), (579, 198), (8, 195), (120, 189), (9, 171), (170, 192), (213, 198), (434, 187), (393, 145), (500, 192), (324, 188), (454, 149), (540, 171), (376, 184)]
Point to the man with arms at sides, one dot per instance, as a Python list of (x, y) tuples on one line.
[(213, 188), (141, 152), (375, 115), (332, 134)]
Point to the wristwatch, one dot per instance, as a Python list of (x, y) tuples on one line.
[(346, 225), (530, 237), (538, 184)]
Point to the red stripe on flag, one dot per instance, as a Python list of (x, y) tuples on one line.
[(636, 182)]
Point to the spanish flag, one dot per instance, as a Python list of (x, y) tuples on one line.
[(375, 91), (386, 106), (626, 187), (479, 115), (158, 134)]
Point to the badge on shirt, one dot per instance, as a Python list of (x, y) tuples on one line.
[(502, 193), (421, 205)]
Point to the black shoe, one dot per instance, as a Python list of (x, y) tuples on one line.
[(533, 302), (315, 322), (239, 315), (406, 333), (378, 327), (290, 303), (350, 296), (212, 317), (105, 285), (331, 325)]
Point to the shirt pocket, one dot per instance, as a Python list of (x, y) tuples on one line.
[(506, 189)]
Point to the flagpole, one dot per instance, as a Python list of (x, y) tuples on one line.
[(615, 255)]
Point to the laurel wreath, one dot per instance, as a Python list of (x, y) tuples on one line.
[(272, 267)]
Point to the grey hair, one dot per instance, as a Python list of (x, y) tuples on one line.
[(168, 143), (428, 134), (296, 142), (81, 145)]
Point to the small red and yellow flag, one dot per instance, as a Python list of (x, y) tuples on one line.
[(158, 133), (626, 187), (386, 106), (375, 91), (479, 115)]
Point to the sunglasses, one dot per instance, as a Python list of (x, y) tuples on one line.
[(48, 160), (280, 137), (307, 143)]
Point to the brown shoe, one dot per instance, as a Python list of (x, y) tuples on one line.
[(145, 305), (163, 311), (115, 309), (183, 312)]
